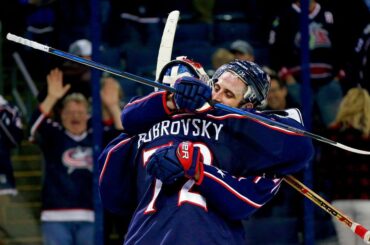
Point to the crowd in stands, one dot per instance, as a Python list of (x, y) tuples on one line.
[(213, 33)]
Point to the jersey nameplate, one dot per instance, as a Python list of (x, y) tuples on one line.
[(187, 127)]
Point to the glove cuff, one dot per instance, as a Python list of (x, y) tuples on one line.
[(201, 174), (191, 160)]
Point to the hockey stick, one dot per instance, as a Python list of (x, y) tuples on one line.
[(330, 209), (87, 62), (165, 49), (259, 119)]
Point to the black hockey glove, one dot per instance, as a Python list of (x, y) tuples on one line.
[(191, 93)]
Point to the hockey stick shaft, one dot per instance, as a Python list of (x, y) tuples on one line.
[(87, 62), (260, 119), (356, 228), (288, 129)]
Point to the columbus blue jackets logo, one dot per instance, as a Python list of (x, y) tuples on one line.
[(78, 158)]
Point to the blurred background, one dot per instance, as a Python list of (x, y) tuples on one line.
[(127, 36)]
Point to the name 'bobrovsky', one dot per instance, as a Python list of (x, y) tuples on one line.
[(190, 126)]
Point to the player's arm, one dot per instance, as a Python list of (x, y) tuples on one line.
[(236, 197), (117, 179), (275, 150), (297, 150), (142, 113)]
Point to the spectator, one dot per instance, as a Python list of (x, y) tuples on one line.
[(67, 215), (75, 74), (242, 50), (348, 173), (40, 27), (359, 68), (112, 95), (11, 134), (79, 76), (72, 21), (325, 65), (278, 97), (81, 47), (220, 57)]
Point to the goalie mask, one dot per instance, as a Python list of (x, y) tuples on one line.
[(252, 75), (181, 67)]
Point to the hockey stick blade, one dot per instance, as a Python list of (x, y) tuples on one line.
[(265, 121), (165, 49), (356, 228)]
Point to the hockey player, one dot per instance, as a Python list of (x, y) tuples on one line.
[(195, 173), (67, 215)]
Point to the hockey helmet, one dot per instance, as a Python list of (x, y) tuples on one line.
[(252, 75), (181, 67)]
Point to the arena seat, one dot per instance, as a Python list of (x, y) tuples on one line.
[(193, 32), (137, 59), (201, 53)]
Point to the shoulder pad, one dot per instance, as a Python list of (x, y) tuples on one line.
[(292, 113)]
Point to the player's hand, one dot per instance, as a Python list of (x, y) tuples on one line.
[(191, 93), (171, 163), (164, 165)]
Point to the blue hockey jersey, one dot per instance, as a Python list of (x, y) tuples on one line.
[(67, 182), (251, 147), (185, 213)]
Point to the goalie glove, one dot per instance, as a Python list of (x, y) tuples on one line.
[(171, 163), (191, 93)]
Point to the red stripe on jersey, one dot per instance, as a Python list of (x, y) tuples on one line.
[(108, 156), (276, 128)]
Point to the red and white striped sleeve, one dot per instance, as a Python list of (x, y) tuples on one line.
[(237, 197)]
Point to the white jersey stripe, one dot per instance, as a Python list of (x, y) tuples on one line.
[(233, 191)]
